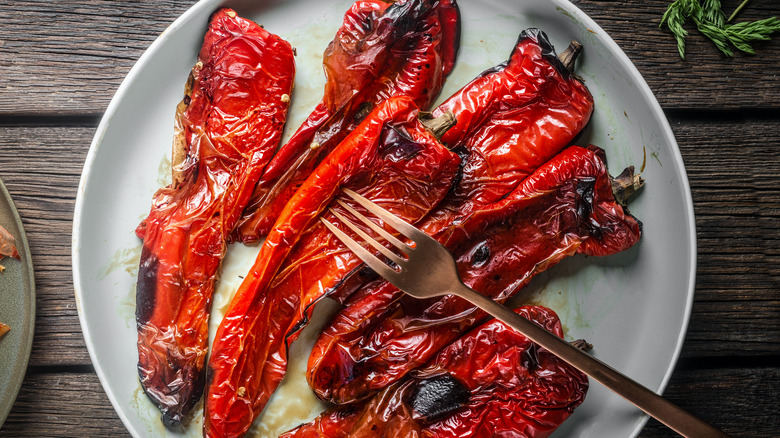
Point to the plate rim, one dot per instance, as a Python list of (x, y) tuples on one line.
[(28, 284), (564, 5), (644, 88)]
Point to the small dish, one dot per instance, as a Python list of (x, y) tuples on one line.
[(17, 307)]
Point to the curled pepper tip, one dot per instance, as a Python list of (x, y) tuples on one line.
[(626, 184)]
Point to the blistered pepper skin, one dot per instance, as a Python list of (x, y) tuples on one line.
[(389, 157), (228, 126), (563, 208), (512, 119), (490, 382), (383, 49)]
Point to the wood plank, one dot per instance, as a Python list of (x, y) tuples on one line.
[(732, 168), (706, 78), (741, 402), (41, 169), (73, 58), (736, 308), (68, 57), (62, 404)]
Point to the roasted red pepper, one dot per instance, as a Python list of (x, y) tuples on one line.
[(383, 49), (565, 207), (491, 382), (229, 124), (8, 245), (391, 158), (511, 119)]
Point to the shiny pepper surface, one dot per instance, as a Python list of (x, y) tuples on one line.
[(512, 119), (228, 126), (383, 49), (564, 207), (491, 382), (391, 158)]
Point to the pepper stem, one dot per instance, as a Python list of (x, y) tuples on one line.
[(625, 185), (582, 344), (438, 125), (570, 55)]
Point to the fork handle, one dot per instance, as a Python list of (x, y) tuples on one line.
[(656, 406)]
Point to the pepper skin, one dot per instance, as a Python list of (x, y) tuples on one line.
[(229, 124), (491, 382), (391, 158), (511, 120), (383, 49), (563, 208), (8, 245)]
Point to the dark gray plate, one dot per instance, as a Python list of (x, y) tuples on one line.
[(17, 307)]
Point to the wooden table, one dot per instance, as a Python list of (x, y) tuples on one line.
[(61, 62)]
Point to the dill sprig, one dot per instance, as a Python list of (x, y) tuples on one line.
[(710, 20)]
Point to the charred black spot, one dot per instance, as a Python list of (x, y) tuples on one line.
[(463, 153), (146, 288), (496, 277), (584, 205), (433, 398), (404, 16), (367, 274), (480, 255), (584, 189), (397, 146), (530, 358), (548, 51), (364, 110)]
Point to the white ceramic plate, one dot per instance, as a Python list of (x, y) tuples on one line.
[(633, 307)]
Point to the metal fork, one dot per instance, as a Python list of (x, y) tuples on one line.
[(429, 270)]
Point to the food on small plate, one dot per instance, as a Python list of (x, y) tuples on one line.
[(491, 382), (7, 248), (4, 329), (391, 158), (383, 49), (227, 127)]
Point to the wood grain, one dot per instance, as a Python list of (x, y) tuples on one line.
[(62, 404), (705, 79), (60, 64), (64, 59), (742, 403)]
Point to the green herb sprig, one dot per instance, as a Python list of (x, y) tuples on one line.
[(710, 20)]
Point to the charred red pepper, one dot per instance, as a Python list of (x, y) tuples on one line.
[(391, 158), (563, 208), (511, 119), (383, 49), (491, 382), (229, 124)]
